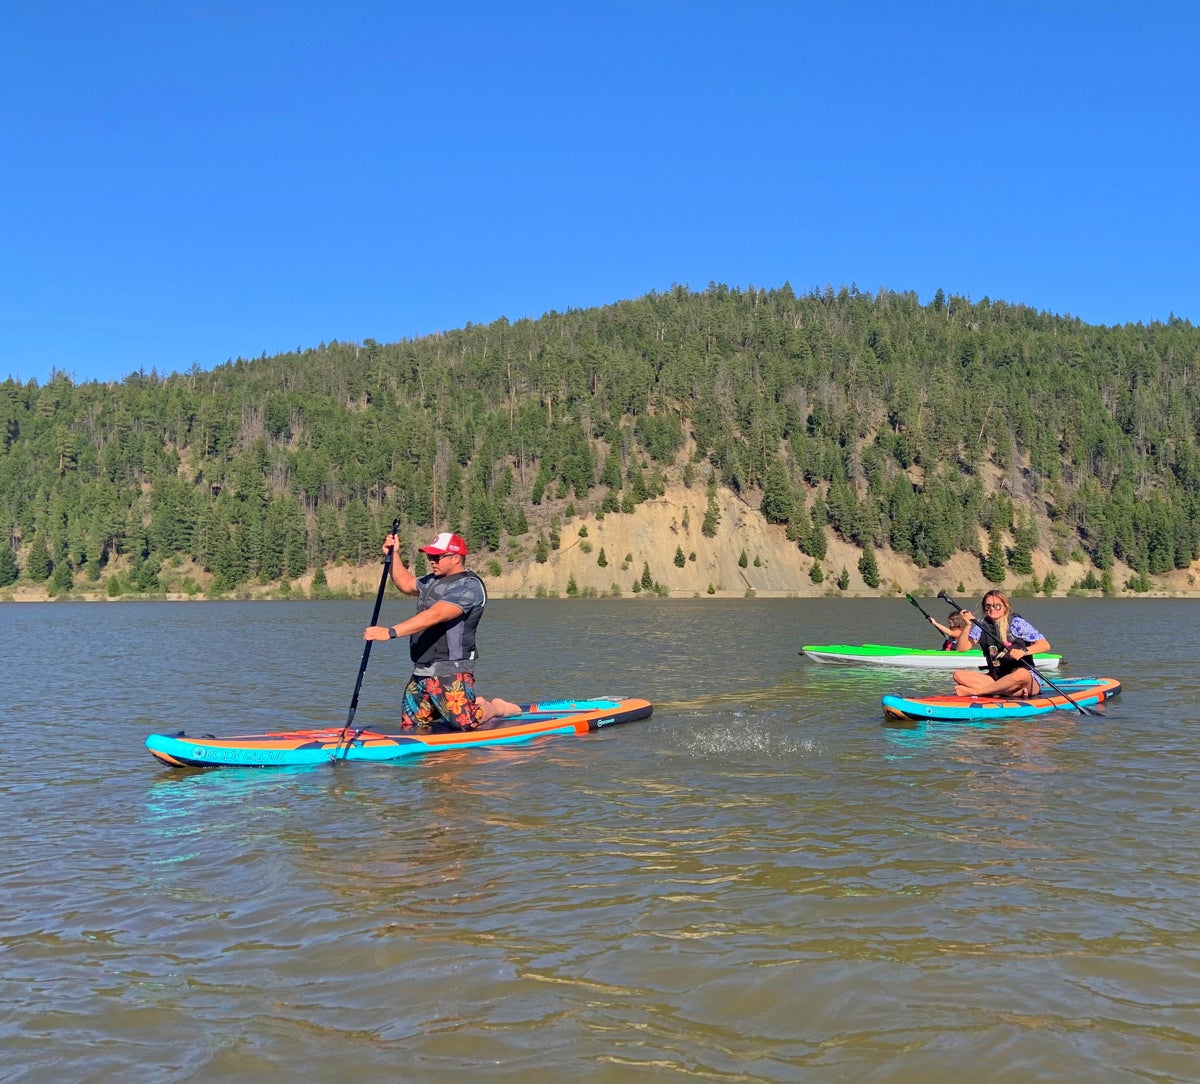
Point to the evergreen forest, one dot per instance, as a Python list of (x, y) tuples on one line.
[(871, 417)]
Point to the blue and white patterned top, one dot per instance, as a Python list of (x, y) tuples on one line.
[(1018, 628)]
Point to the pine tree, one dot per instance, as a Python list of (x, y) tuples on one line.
[(611, 474), (636, 482), (868, 568), (228, 566), (8, 566), (1021, 559), (38, 565), (778, 504), (993, 563), (145, 574), (357, 539), (61, 579), (712, 514), (1024, 538), (812, 540), (485, 521)]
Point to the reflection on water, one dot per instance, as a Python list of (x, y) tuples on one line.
[(764, 881)]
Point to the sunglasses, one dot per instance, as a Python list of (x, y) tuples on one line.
[(435, 557), (993, 605)]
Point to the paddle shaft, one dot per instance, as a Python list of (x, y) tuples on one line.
[(918, 606), (930, 619), (362, 667), (984, 630)]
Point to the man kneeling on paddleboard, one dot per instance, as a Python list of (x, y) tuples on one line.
[(450, 602)]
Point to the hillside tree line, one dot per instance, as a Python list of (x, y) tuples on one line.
[(870, 416)]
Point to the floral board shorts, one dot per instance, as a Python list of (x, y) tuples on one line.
[(428, 699)]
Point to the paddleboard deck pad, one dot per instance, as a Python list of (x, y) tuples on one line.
[(302, 748), (1085, 692), (911, 657)]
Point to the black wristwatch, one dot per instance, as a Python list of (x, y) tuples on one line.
[(391, 633)]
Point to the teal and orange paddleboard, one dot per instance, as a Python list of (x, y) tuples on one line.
[(301, 748), (1068, 695)]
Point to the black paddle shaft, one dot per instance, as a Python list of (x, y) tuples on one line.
[(930, 619), (919, 607), (984, 630), (362, 669)]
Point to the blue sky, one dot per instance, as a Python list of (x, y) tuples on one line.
[(188, 183)]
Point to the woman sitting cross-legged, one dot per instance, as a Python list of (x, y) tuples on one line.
[(1007, 640)]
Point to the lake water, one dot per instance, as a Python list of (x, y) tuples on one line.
[(763, 882)]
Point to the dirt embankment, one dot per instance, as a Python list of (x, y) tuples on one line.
[(608, 555)]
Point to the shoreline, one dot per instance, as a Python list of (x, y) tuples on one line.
[(269, 594)]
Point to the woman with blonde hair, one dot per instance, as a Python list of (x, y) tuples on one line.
[(1007, 640)]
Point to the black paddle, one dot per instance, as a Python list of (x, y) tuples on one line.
[(918, 606), (1024, 661), (930, 619), (362, 668)]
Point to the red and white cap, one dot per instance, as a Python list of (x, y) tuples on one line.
[(446, 543)]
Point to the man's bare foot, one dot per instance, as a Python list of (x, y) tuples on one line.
[(495, 708)]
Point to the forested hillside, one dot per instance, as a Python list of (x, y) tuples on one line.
[(871, 419)]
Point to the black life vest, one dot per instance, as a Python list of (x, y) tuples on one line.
[(993, 648), (453, 642)]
